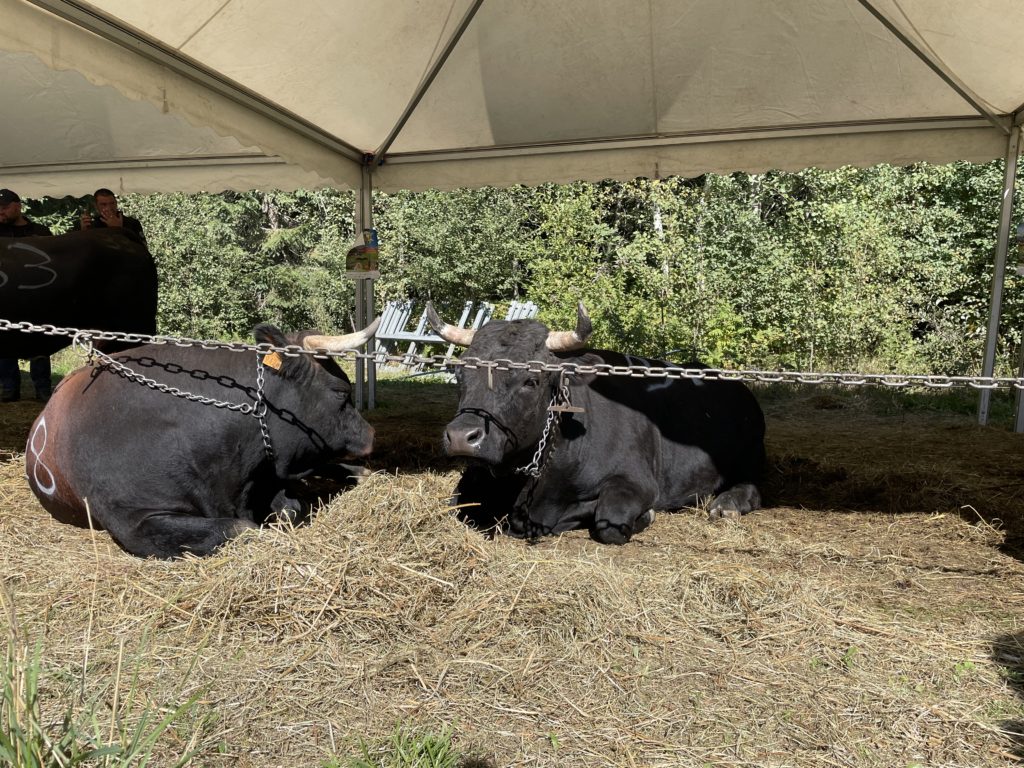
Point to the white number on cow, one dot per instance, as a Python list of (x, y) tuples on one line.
[(47, 273), (45, 481)]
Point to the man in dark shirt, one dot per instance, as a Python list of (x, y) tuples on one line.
[(109, 215), (13, 223)]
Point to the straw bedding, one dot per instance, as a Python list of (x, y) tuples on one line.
[(870, 616)]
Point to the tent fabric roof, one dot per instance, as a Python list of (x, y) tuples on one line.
[(236, 94)]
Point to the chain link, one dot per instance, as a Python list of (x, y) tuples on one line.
[(561, 397), (258, 409), (441, 363)]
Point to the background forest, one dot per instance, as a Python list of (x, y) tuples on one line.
[(872, 269)]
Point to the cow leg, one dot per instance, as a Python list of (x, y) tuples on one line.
[(287, 507), (343, 474), (173, 534), (485, 502), (623, 508), (736, 501)]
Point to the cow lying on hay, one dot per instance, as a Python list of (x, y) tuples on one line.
[(552, 454), (169, 472)]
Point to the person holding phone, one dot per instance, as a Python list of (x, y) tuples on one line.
[(109, 215)]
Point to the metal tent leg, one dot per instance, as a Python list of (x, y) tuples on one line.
[(999, 273), (366, 370), (1018, 421)]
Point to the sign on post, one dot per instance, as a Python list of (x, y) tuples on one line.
[(361, 260)]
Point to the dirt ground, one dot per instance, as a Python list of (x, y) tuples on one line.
[(871, 615)]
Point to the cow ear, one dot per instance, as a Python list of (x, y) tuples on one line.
[(585, 359), (289, 366)]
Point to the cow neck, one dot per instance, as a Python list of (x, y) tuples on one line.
[(258, 409), (560, 403)]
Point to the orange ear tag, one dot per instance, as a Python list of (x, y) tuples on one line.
[(273, 360)]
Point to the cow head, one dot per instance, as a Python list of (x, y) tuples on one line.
[(312, 399), (502, 413)]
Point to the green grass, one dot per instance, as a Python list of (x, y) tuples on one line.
[(65, 361), (883, 401), (35, 733), (406, 748)]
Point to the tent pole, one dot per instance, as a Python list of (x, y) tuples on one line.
[(371, 311), (366, 371), (999, 272), (1018, 421)]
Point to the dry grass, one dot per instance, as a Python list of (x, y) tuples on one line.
[(869, 617)]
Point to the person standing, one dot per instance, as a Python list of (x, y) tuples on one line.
[(108, 215), (14, 223)]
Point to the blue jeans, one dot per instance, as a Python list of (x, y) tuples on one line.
[(10, 377)]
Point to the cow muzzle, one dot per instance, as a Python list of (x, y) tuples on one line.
[(477, 434), (463, 441), (362, 448)]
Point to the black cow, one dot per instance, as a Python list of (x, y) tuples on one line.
[(165, 474), (638, 445), (98, 279)]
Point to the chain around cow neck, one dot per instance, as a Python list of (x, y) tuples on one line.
[(258, 409), (559, 404)]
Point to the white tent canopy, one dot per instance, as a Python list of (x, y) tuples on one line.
[(212, 94)]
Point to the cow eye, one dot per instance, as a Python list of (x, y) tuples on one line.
[(531, 384)]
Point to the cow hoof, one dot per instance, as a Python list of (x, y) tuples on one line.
[(287, 509), (357, 472), (643, 522), (286, 517), (238, 527), (735, 502), (723, 513), (608, 533)]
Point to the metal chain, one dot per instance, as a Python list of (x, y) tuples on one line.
[(258, 409), (560, 397), (441, 362)]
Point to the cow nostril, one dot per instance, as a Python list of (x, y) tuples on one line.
[(463, 440)]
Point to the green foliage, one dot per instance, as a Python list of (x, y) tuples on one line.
[(453, 246), (879, 269), (230, 261), (873, 269), (963, 670), (59, 214)]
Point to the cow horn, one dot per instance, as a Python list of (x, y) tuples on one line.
[(566, 341), (341, 343), (450, 333)]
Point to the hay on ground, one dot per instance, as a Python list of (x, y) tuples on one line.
[(871, 616)]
